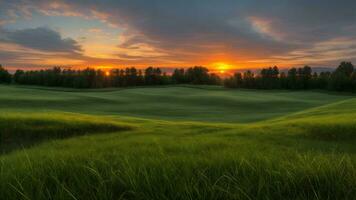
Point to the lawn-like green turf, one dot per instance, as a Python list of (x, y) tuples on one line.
[(176, 143)]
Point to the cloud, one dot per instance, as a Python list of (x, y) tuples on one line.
[(38, 47), (41, 38), (199, 32), (177, 26), (244, 29), (337, 49)]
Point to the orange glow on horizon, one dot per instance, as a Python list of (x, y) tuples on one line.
[(104, 67), (221, 67)]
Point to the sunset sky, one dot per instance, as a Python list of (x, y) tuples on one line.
[(219, 34)]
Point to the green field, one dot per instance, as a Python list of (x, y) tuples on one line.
[(176, 143)]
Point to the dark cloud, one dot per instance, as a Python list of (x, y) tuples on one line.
[(41, 38), (177, 25), (192, 29)]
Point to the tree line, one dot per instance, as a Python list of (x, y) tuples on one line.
[(96, 78), (343, 78)]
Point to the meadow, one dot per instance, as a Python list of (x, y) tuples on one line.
[(176, 142)]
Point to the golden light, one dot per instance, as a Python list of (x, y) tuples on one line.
[(107, 73), (104, 67), (221, 67)]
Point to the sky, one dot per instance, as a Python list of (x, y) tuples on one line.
[(219, 34)]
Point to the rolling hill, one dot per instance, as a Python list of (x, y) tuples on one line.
[(176, 143)]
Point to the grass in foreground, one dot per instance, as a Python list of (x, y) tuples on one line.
[(308, 154)]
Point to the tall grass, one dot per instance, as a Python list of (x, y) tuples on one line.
[(256, 176), (304, 153), (165, 160)]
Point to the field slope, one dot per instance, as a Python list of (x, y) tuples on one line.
[(176, 143)]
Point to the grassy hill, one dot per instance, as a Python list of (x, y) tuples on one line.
[(168, 103), (176, 143)]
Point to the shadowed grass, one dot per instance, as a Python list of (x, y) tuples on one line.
[(332, 131), (18, 130)]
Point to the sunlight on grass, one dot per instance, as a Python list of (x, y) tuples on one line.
[(304, 153)]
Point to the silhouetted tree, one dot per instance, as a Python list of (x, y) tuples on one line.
[(292, 78), (268, 78), (153, 76), (345, 68), (5, 76), (283, 80), (178, 76), (18, 75), (197, 75), (234, 82), (304, 77), (341, 77), (249, 80)]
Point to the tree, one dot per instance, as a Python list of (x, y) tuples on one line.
[(131, 76), (292, 78), (305, 75), (140, 78), (353, 81), (178, 76), (249, 79), (153, 76), (197, 75), (214, 79), (5, 76), (269, 78), (323, 80), (18, 76), (234, 82), (283, 80), (341, 77), (345, 68)]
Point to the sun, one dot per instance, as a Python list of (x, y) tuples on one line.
[(221, 67)]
